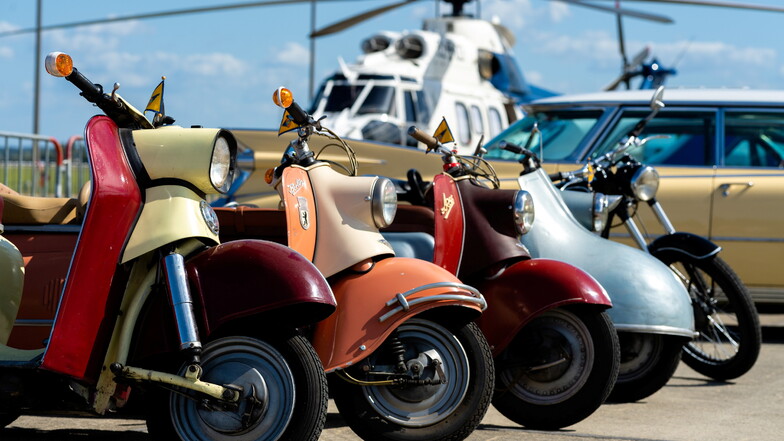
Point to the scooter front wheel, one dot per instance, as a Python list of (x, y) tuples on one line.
[(441, 390), (284, 394), (558, 369)]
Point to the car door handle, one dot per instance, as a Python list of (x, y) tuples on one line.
[(725, 187)]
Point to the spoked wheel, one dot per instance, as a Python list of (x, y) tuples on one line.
[(426, 382), (558, 370), (647, 363), (724, 315), (284, 394)]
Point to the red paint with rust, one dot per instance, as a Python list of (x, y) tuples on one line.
[(86, 313)]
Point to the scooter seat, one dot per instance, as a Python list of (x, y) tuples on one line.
[(33, 210)]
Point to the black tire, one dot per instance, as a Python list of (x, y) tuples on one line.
[(295, 383), (648, 361), (724, 315), (563, 394), (7, 418), (448, 411)]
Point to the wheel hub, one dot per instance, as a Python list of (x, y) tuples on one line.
[(252, 406)]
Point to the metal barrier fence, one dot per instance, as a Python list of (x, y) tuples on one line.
[(37, 165)]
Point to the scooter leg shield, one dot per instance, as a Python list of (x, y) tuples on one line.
[(529, 288), (370, 307), (245, 278), (12, 280)]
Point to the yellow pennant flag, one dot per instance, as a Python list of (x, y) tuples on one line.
[(443, 134), (287, 124), (156, 100)]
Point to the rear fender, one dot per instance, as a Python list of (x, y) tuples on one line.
[(686, 244), (370, 307), (527, 289), (245, 278)]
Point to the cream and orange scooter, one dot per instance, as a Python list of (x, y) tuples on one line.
[(405, 358)]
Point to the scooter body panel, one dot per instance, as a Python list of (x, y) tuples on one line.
[(449, 223), (248, 277), (12, 281), (300, 204), (529, 288), (359, 326), (646, 295), (85, 315)]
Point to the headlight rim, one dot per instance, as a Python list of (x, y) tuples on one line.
[(642, 190), (523, 211), (382, 189), (224, 186)]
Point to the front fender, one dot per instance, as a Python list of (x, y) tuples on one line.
[(245, 278), (686, 244), (370, 308), (529, 288)]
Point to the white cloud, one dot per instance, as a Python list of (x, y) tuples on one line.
[(6, 52), (293, 54), (6, 26)]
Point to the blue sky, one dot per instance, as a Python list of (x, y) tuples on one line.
[(222, 67)]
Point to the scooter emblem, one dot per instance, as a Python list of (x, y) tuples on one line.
[(449, 202), (304, 213), (296, 186)]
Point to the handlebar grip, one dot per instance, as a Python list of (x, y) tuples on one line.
[(90, 91), (511, 147), (555, 177), (299, 115), (430, 141)]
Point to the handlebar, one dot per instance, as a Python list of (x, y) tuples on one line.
[(430, 141)]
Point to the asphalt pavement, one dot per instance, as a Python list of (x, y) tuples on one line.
[(690, 407)]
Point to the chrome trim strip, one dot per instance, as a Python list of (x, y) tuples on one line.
[(713, 238), (657, 329), (405, 304)]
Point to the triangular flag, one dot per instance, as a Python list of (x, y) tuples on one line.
[(443, 134), (156, 99), (287, 124)]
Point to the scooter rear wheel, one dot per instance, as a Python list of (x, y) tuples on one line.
[(558, 370), (449, 411), (648, 361), (285, 377)]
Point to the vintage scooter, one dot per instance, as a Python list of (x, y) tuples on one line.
[(555, 348), (406, 360), (725, 316), (156, 318), (651, 308)]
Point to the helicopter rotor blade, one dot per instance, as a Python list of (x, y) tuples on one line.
[(621, 11), (359, 18), (714, 3)]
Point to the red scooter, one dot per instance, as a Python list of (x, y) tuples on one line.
[(556, 350), (156, 319)]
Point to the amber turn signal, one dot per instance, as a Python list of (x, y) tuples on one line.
[(269, 175), (59, 64), (283, 97)]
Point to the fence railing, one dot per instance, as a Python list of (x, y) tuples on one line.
[(37, 165)]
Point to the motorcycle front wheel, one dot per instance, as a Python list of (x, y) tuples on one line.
[(558, 370), (450, 374), (284, 394), (648, 361), (724, 315)]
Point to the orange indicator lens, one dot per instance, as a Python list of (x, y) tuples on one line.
[(283, 97), (59, 64)]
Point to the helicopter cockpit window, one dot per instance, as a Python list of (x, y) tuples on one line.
[(380, 99), (411, 113), (342, 97), (423, 108), (562, 134), (463, 123)]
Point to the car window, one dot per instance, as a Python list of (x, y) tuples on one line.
[(683, 138), (562, 133), (754, 139)]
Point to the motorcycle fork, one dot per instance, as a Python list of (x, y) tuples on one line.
[(140, 284)]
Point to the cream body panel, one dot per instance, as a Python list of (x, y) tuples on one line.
[(12, 282), (176, 152), (346, 232), (170, 213)]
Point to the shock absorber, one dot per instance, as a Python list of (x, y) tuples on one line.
[(182, 305), (398, 350)]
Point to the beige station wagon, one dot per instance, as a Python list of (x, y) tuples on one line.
[(721, 164)]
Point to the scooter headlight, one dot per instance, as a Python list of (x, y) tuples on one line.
[(523, 211), (600, 212), (221, 165), (384, 202), (645, 183)]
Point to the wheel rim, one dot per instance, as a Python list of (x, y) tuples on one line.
[(262, 372), (557, 355), (418, 406), (714, 319), (639, 353)]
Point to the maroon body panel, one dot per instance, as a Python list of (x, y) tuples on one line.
[(529, 288), (248, 277), (86, 312)]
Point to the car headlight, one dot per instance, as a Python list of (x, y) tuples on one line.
[(384, 202), (523, 211), (600, 212), (221, 165), (645, 183)]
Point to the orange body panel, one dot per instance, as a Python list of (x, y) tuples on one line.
[(449, 223), (301, 211), (354, 331)]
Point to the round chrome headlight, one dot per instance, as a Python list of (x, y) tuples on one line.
[(600, 212), (523, 211), (221, 165), (384, 202), (645, 183)]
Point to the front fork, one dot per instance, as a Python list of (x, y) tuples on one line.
[(634, 230)]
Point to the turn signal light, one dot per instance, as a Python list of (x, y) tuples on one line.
[(283, 97), (59, 64), (269, 175)]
